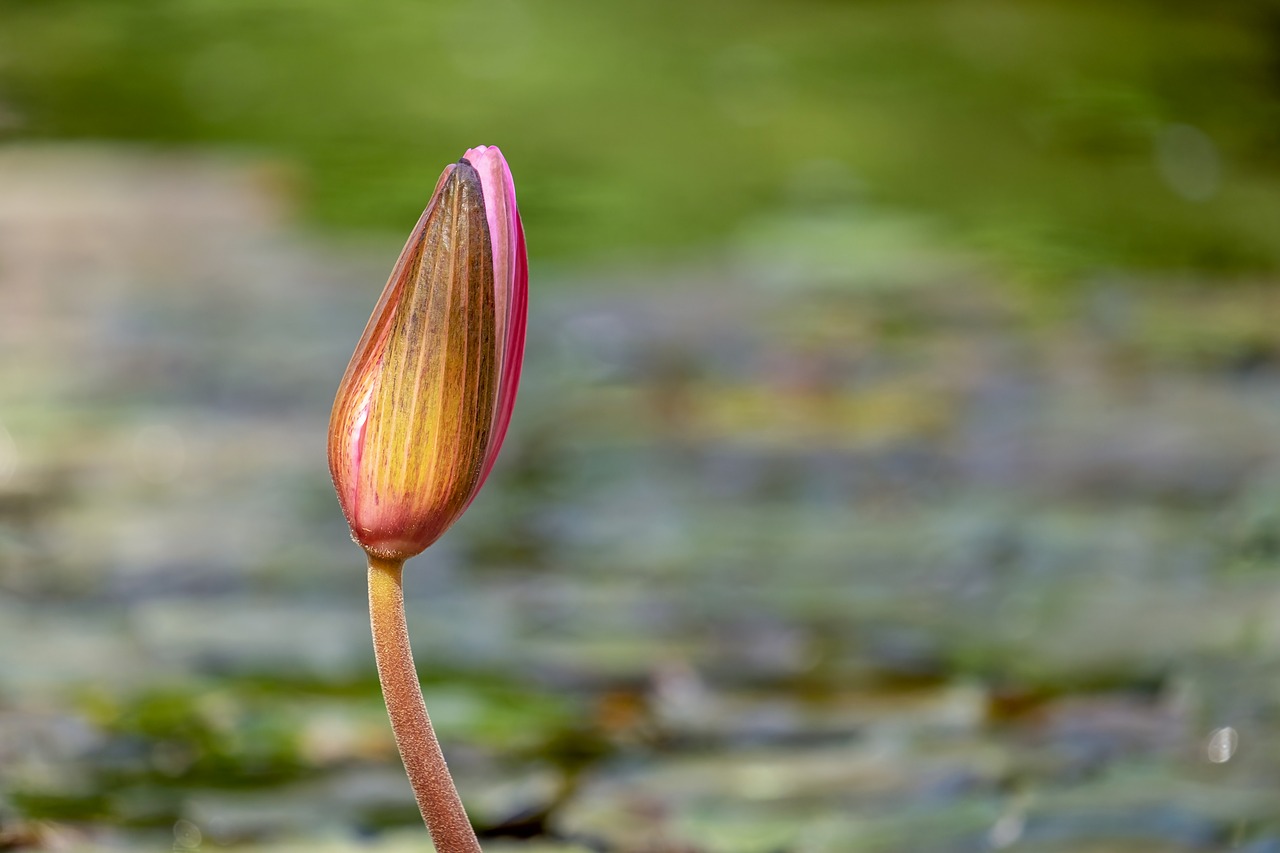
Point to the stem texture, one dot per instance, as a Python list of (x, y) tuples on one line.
[(433, 787)]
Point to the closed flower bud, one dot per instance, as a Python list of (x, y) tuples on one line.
[(424, 405)]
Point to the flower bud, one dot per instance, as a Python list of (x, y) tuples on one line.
[(425, 402)]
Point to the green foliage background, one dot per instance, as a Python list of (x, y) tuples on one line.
[(1029, 130)]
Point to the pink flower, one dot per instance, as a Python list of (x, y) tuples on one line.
[(425, 403)]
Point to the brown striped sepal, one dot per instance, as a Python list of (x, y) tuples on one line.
[(427, 396)]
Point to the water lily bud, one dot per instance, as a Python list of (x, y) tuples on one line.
[(424, 405)]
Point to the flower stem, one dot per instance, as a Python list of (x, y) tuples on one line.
[(437, 797)]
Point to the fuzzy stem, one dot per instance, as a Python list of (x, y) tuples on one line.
[(438, 800)]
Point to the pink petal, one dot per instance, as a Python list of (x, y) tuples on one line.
[(513, 358), (511, 280)]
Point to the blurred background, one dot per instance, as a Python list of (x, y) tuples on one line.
[(897, 466)]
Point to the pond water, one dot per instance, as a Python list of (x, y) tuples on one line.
[(911, 561)]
